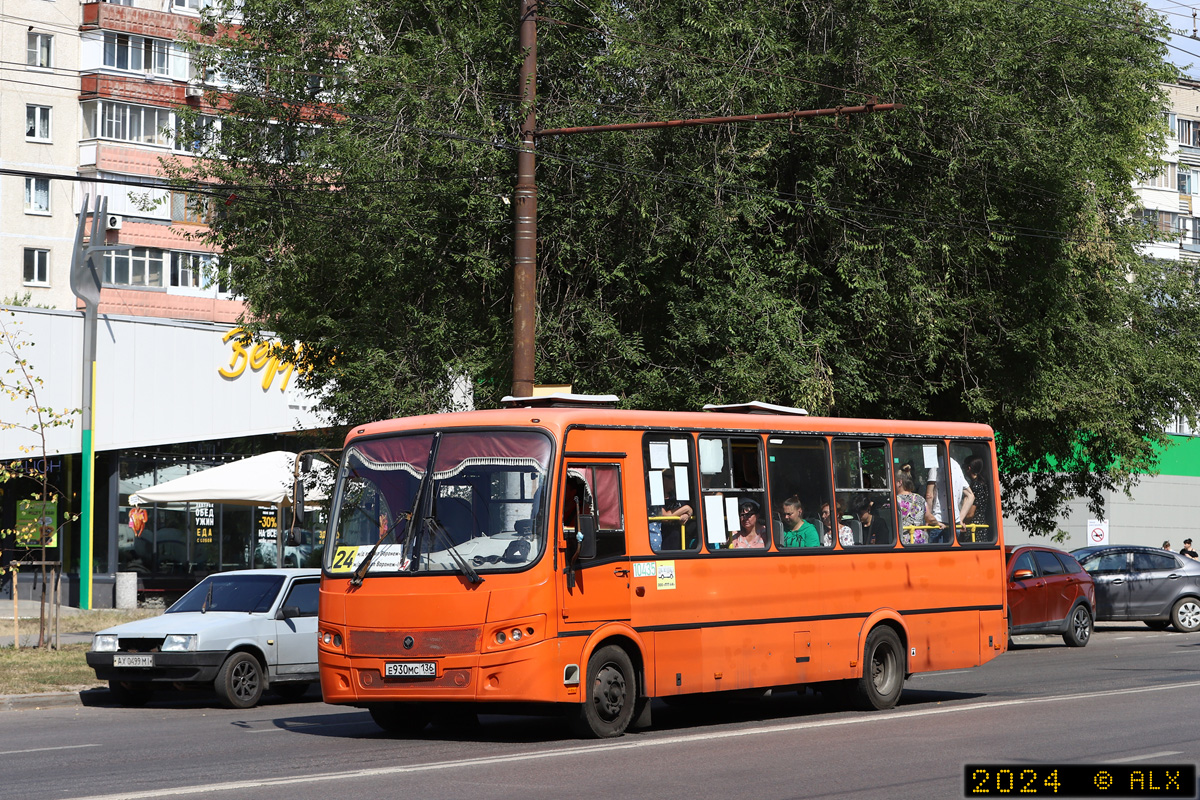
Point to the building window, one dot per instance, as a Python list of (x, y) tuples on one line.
[(141, 266), (192, 136), (37, 123), (191, 208), (37, 266), (138, 53), (191, 5), (1188, 131), (37, 195), (1185, 182), (190, 269), (126, 123), (39, 50), (1165, 178)]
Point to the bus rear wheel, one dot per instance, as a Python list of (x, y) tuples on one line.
[(401, 719), (883, 671), (609, 697)]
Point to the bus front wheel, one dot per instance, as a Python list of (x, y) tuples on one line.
[(883, 671), (610, 695)]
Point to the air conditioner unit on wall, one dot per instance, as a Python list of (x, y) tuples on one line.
[(113, 222), (193, 91)]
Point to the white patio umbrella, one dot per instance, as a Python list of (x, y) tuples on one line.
[(260, 480)]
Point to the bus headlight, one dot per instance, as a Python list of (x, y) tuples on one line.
[(516, 633)]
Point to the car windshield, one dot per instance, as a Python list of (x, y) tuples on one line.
[(246, 593), (480, 507)]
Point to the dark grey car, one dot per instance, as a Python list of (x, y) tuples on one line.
[(1156, 586)]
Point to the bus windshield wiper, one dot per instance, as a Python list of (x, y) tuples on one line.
[(439, 533), (410, 535)]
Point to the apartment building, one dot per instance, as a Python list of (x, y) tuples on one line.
[(1171, 198), (89, 94), (98, 85)]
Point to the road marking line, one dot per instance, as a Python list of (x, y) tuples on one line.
[(622, 744), (1144, 757), (45, 749)]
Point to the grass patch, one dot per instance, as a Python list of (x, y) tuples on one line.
[(30, 670), (75, 621)]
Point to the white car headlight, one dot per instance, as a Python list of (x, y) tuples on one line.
[(180, 643), (104, 643)]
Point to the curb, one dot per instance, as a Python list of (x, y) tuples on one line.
[(23, 702)]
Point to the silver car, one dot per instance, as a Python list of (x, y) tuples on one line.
[(1156, 586), (238, 632)]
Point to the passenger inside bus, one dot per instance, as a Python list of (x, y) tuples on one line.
[(752, 533), (875, 527), (797, 531)]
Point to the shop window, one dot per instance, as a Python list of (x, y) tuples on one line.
[(671, 498), (732, 493), (798, 467), (862, 487)]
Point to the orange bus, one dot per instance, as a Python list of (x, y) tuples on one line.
[(558, 553)]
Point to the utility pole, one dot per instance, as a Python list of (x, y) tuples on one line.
[(525, 209), (525, 196)]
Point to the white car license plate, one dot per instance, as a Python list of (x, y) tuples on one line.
[(133, 661), (410, 669)]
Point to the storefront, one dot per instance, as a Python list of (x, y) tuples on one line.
[(172, 398)]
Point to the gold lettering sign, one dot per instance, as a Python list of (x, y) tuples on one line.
[(259, 359)]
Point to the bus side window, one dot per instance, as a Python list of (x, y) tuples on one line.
[(602, 497), (915, 462), (798, 467), (976, 513), (863, 487), (671, 499), (731, 481)]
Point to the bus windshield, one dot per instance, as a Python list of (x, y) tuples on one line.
[(479, 510)]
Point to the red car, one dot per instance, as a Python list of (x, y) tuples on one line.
[(1048, 592)]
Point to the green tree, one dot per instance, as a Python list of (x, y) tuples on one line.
[(972, 256)]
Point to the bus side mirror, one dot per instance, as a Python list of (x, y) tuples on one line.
[(586, 526)]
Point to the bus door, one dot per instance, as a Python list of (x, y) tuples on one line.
[(594, 589)]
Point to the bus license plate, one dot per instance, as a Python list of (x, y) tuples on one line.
[(133, 661), (410, 669)]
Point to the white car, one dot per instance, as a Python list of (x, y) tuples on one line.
[(239, 632)]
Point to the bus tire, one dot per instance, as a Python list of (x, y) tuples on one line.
[(1079, 627), (401, 719), (883, 671), (610, 695)]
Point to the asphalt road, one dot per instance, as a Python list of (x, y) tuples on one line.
[(1130, 697)]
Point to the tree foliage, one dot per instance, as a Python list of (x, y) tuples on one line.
[(971, 256)]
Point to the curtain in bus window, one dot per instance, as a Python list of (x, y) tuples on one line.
[(976, 511), (603, 482)]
